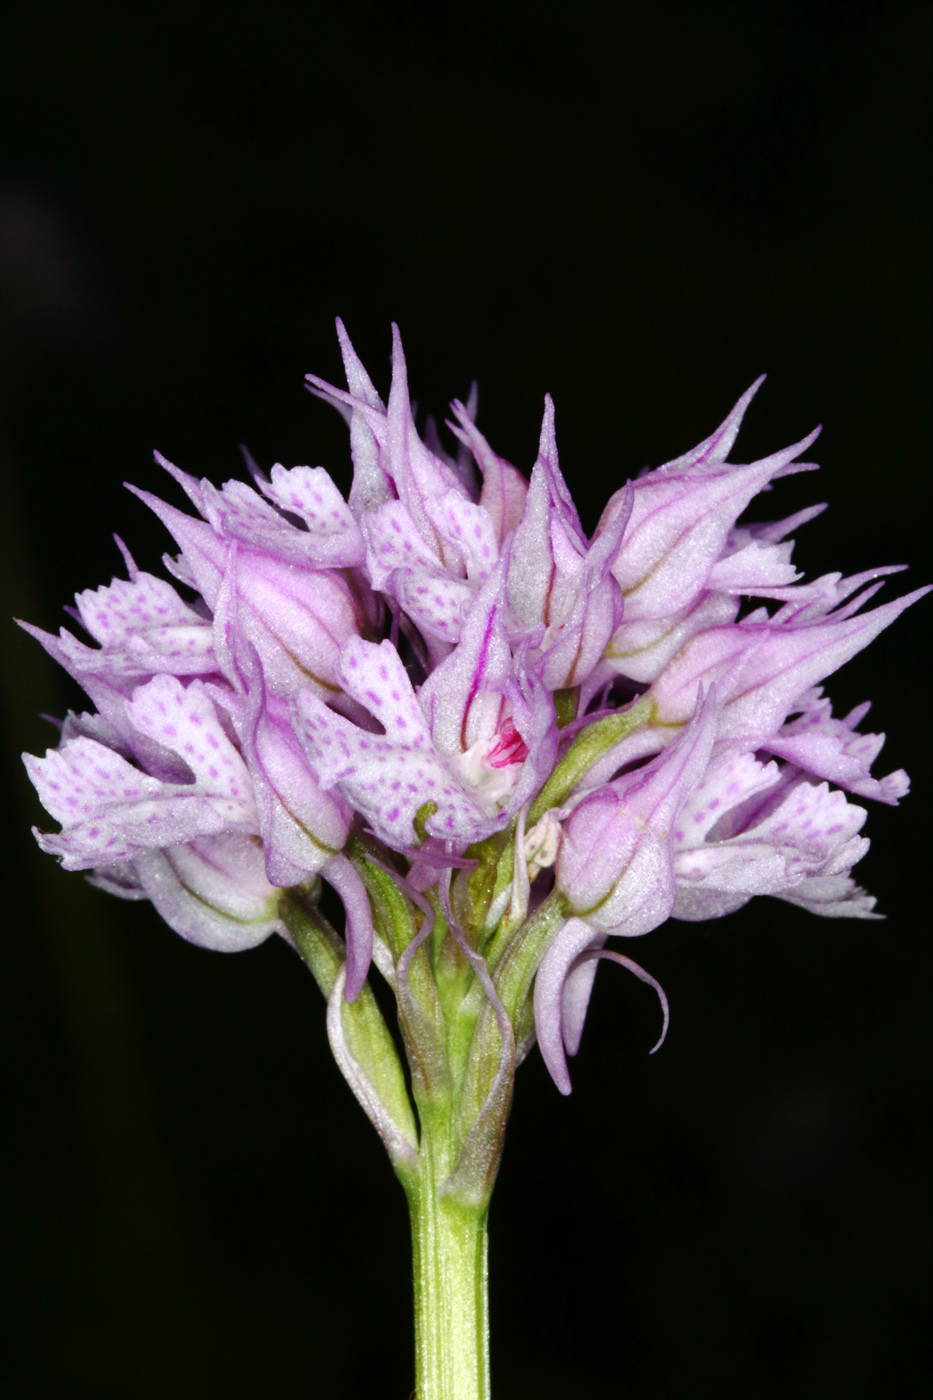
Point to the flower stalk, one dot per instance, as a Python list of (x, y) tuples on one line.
[(449, 1253)]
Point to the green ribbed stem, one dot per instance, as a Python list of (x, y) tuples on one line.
[(449, 1248)]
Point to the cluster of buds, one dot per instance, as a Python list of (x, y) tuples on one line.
[(500, 742)]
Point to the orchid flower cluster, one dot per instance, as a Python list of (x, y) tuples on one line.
[(500, 742)]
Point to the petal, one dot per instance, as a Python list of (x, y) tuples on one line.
[(310, 493), (462, 696), (387, 778), (470, 529), (809, 822), (678, 529), (302, 826), (725, 790), (641, 650), (582, 642), (213, 892), (435, 602), (418, 475), (370, 484), (110, 692), (128, 822), (574, 937), (762, 667), (393, 541), (184, 720), (716, 448), (756, 569), (504, 487), (374, 676), (117, 612), (833, 897), (833, 749), (531, 562), (547, 459)]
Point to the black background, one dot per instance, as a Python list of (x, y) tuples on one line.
[(638, 208)]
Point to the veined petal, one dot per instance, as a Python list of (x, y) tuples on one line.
[(715, 449), (370, 484), (302, 826), (763, 666), (614, 864), (577, 650), (547, 459), (213, 891), (504, 487), (573, 939), (678, 529), (418, 475), (641, 650), (755, 569), (532, 566), (297, 619), (463, 696)]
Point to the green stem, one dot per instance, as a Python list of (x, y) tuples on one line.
[(450, 1252)]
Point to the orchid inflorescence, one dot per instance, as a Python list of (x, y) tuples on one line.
[(501, 743)]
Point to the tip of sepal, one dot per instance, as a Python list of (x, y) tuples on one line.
[(132, 568)]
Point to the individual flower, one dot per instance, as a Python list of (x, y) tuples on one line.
[(614, 865), (751, 828), (560, 587), (110, 810), (685, 562), (296, 613), (465, 752), (678, 543), (764, 665)]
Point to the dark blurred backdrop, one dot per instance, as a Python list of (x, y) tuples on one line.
[(637, 207)]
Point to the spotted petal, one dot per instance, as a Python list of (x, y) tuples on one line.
[(390, 777), (110, 811)]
